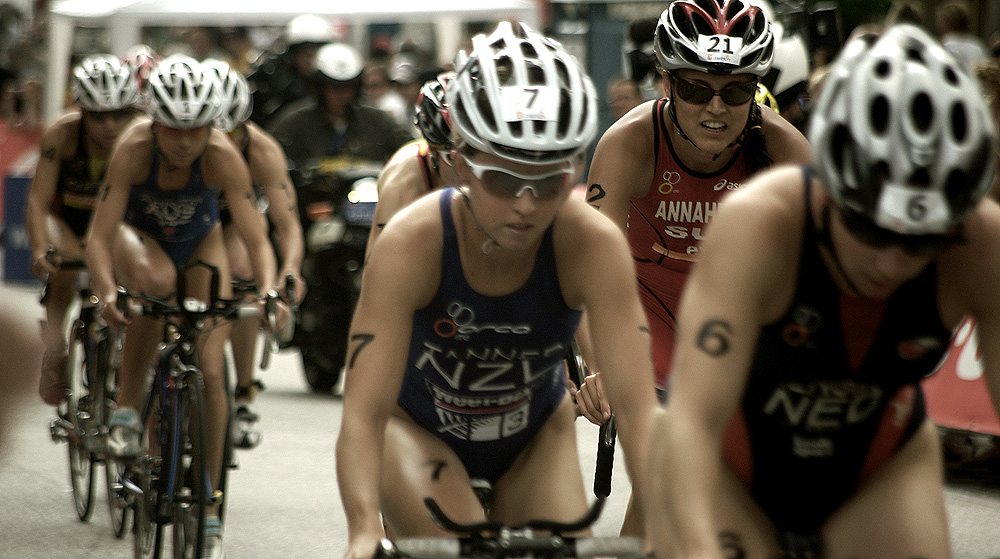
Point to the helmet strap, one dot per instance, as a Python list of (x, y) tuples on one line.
[(826, 240), (490, 243)]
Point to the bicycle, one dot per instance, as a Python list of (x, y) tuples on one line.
[(91, 368), (171, 483), (539, 539)]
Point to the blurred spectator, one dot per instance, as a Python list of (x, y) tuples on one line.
[(278, 79), (203, 43), (953, 22), (906, 11), (623, 95), (988, 72), (405, 79), (23, 53), (640, 60), (239, 47)]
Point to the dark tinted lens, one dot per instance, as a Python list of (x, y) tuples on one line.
[(738, 94), (693, 93), (915, 245), (698, 94)]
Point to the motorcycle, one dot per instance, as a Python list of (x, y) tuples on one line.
[(337, 198)]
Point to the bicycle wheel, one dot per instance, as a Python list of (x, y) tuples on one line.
[(81, 459), (147, 531), (193, 472), (104, 392)]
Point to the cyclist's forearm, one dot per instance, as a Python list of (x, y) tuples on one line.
[(265, 268), (359, 466)]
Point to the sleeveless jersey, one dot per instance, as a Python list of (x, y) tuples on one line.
[(177, 219), (78, 186), (426, 166), (813, 427), (664, 228), (484, 373)]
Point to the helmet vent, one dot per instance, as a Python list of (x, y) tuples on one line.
[(920, 177), (959, 122), (536, 74), (505, 70), (915, 54), (734, 9), (883, 69), (922, 112), (528, 50), (879, 114), (564, 117), (950, 75), (741, 28)]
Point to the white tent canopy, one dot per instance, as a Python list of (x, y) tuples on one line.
[(126, 18)]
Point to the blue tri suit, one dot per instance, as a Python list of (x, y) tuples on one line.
[(177, 219), (485, 373)]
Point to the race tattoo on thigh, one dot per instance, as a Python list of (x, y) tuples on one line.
[(436, 467), (363, 340), (715, 337)]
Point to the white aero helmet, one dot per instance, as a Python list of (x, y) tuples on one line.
[(236, 103), (339, 62), (309, 28), (522, 97), (715, 36), (102, 83), (183, 93), (902, 136)]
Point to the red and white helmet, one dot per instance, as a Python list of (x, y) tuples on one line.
[(432, 112), (715, 36)]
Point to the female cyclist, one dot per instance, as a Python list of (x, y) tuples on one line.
[(419, 166), (661, 170), (275, 196), (818, 303), (471, 297), (74, 154), (159, 211)]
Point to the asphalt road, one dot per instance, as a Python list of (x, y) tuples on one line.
[(283, 500)]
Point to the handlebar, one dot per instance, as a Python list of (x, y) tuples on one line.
[(493, 540)]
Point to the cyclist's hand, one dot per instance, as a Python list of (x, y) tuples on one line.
[(590, 400), (363, 546), (298, 286), (111, 314), (42, 265)]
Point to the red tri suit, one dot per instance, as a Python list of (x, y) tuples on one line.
[(664, 229)]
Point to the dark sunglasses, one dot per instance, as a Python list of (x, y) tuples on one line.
[(700, 94), (504, 183), (118, 114), (914, 245)]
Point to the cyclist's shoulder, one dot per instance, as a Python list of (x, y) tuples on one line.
[(784, 142), (62, 133), (264, 148), (404, 166)]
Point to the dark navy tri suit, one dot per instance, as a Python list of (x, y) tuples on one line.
[(834, 390), (485, 373), (177, 219)]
